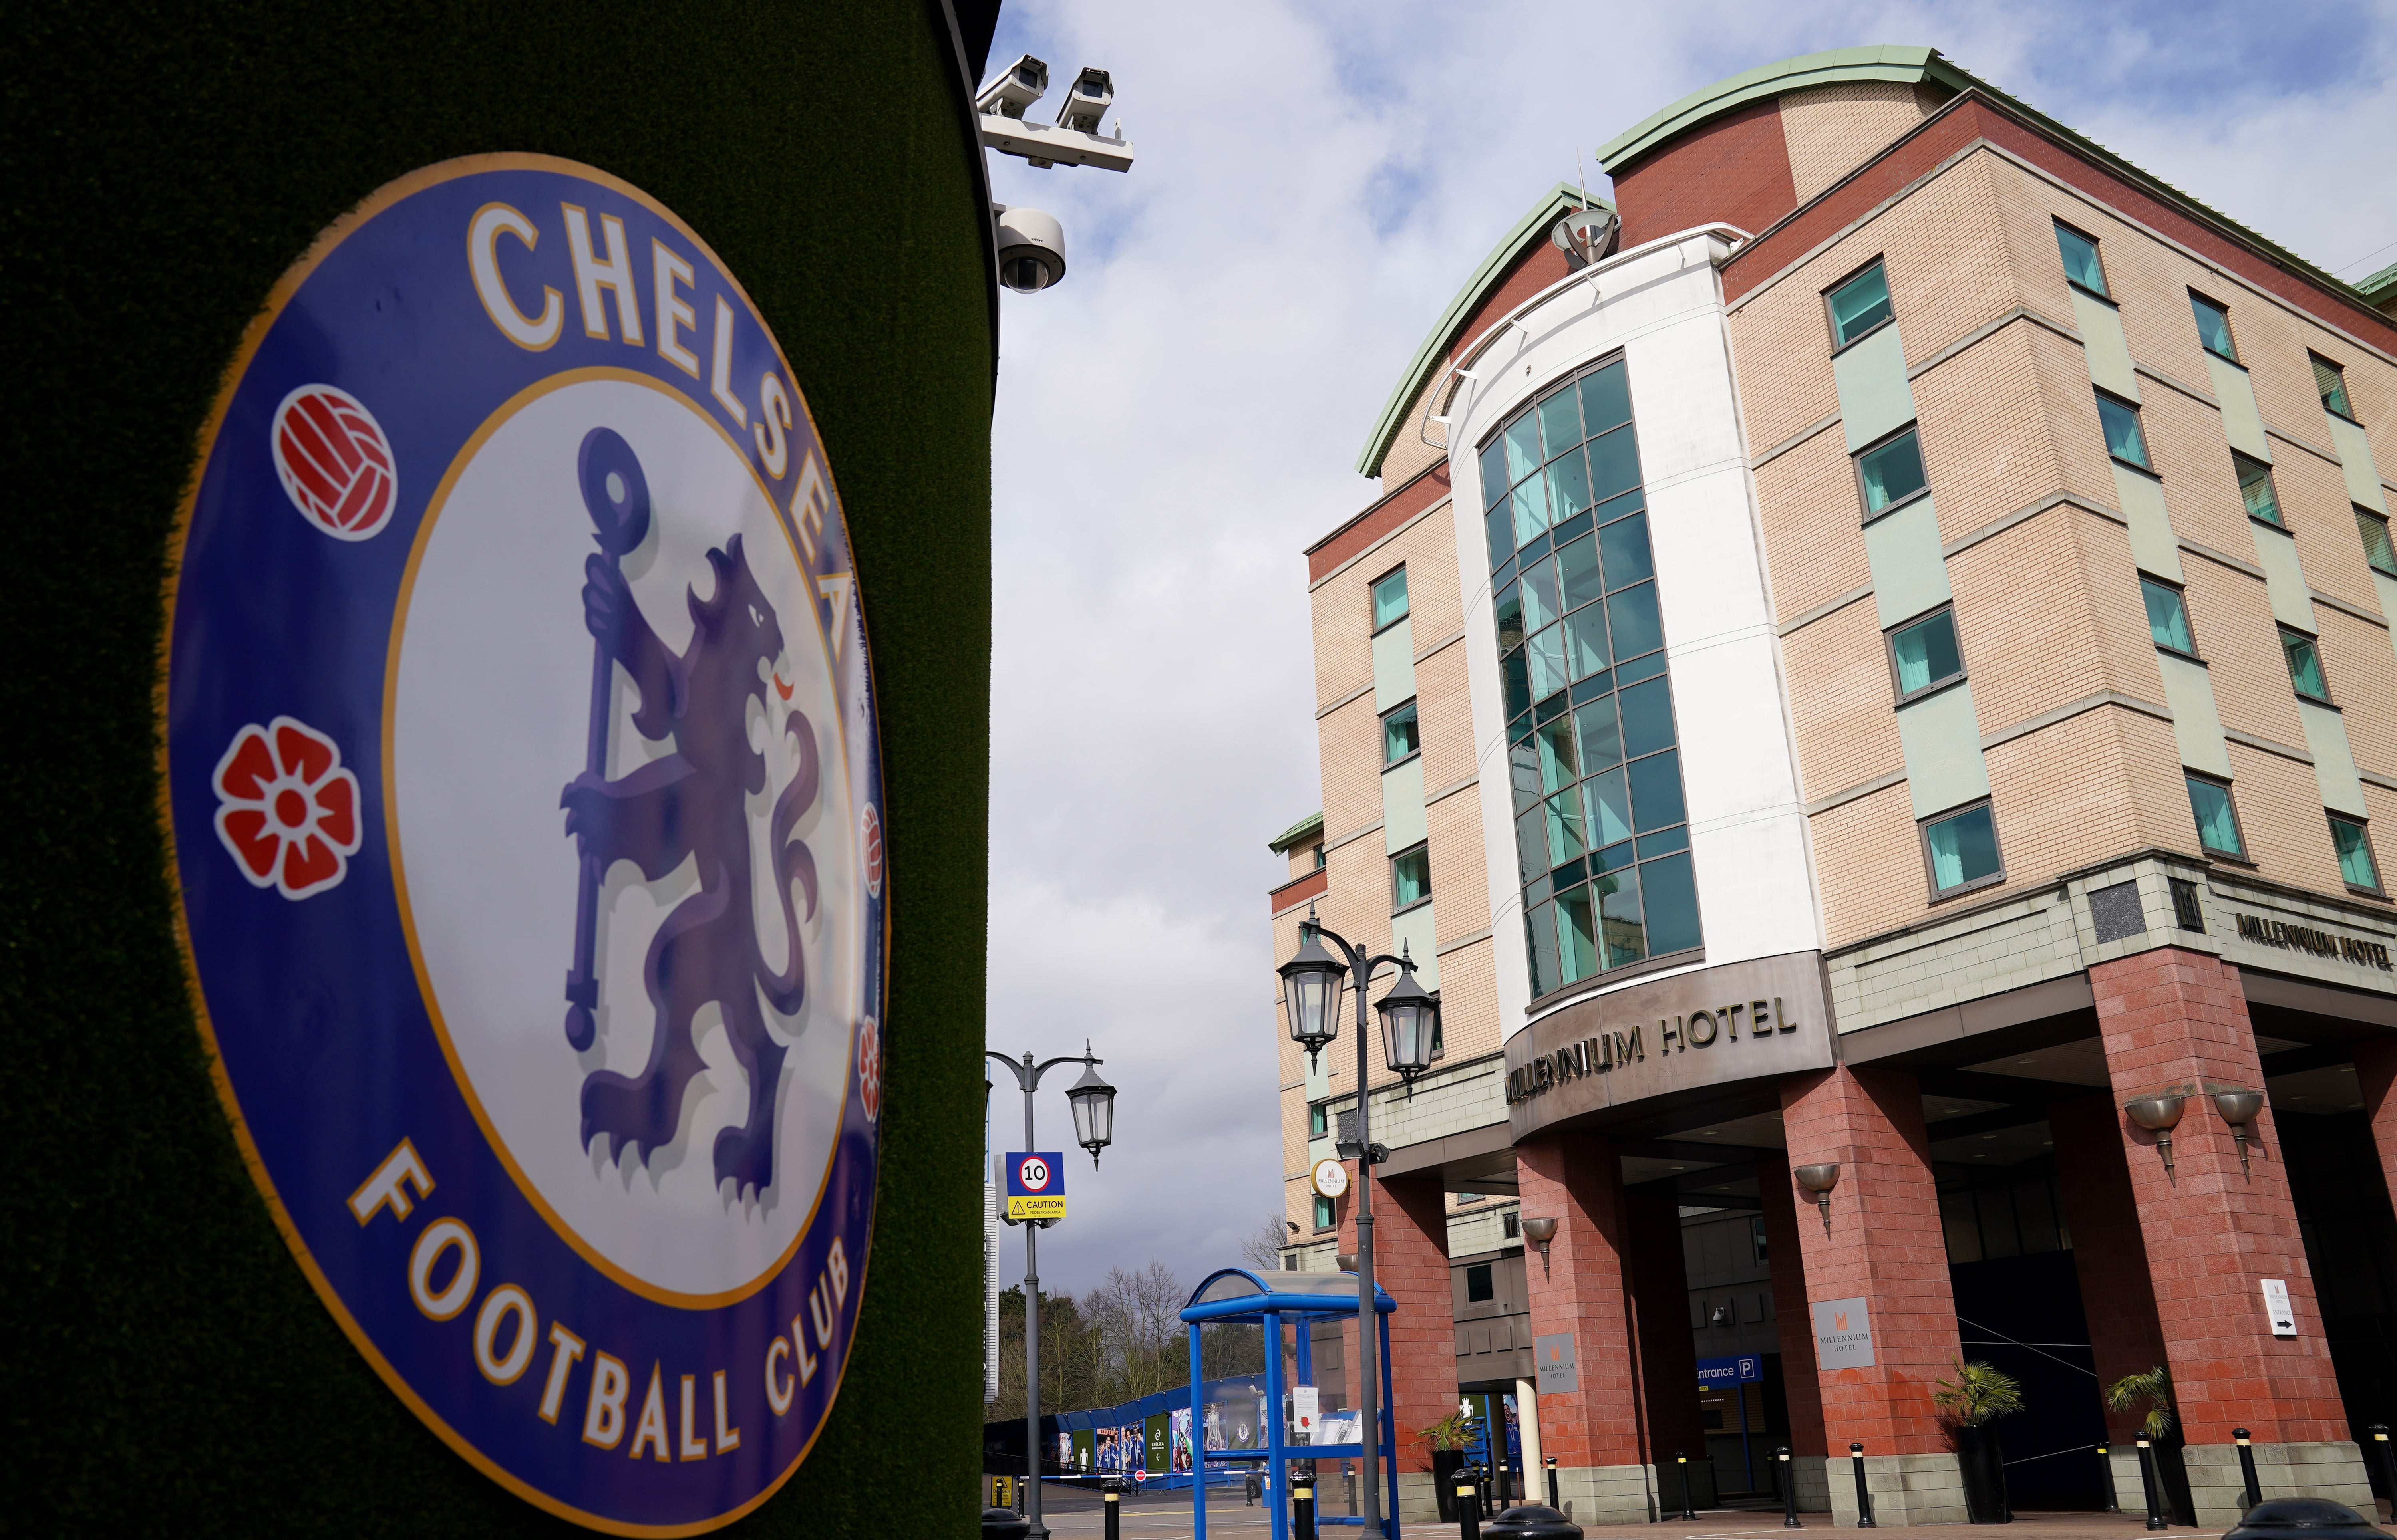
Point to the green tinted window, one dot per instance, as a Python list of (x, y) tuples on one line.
[(2375, 530), (1859, 305), (1925, 653), (2354, 845), (2256, 488), (2330, 380), (2218, 826), (2213, 326), (2123, 440), (1891, 473), (1962, 847), (1322, 1215), (1317, 1120), (1400, 735), (1410, 877), (2081, 263), (2167, 616), (1391, 598), (2305, 666)]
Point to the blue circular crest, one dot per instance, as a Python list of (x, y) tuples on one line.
[(523, 774)]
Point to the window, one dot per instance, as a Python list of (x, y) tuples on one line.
[(1858, 306), (2305, 665), (1513, 1223), (2123, 441), (1960, 850), (1478, 1284), (1410, 877), (1890, 473), (1323, 1216), (1756, 1238), (1391, 599), (1319, 1120), (2354, 845), (1318, 857), (2331, 381), (2213, 326), (2256, 490), (1399, 737), (1923, 655), (2217, 821), (2186, 912), (2375, 530), (2080, 264), (2167, 616)]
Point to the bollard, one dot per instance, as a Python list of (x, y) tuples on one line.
[(2379, 1432), (1788, 1492), (1468, 1504), (1681, 1462), (1301, 1502), (1115, 1515), (1864, 1498), (2148, 1480), (2105, 1471), (1552, 1463), (2246, 1469)]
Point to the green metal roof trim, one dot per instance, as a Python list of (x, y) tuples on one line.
[(1560, 201), (1311, 824), (1890, 63), (2376, 288)]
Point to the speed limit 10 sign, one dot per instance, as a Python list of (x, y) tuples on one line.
[(1036, 1185)]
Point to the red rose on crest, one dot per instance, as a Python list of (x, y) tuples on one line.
[(869, 1068), (288, 811)]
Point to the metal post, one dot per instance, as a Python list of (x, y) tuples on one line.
[(1788, 1492), (1864, 1498), (1469, 1505), (1302, 1500), (1682, 1462), (1368, 1382), (1747, 1451), (1037, 1531), (2379, 1432), (2147, 1480), (2106, 1469), (1114, 1517), (2246, 1469), (1559, 1508)]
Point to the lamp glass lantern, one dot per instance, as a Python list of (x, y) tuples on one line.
[(1410, 1023), (1094, 1110), (1310, 991)]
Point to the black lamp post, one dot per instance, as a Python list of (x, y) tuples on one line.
[(1094, 1125), (1311, 984)]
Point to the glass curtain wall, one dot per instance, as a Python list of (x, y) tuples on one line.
[(1601, 835)]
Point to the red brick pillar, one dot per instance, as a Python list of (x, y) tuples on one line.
[(2375, 1074), (1883, 1246), (2176, 1022), (1411, 1265), (1577, 1180), (2108, 1254), (1660, 1308), (1783, 1252)]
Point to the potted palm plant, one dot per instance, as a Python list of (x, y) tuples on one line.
[(2150, 1391), (1448, 1440), (1975, 1398)]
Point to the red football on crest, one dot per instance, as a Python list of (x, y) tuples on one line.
[(335, 462)]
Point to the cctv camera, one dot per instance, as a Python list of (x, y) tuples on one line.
[(1031, 249), (1018, 87), (1093, 94)]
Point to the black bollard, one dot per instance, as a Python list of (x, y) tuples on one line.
[(1301, 1502), (2246, 1469), (2148, 1480), (1469, 1505), (2106, 1472), (2387, 1464), (1864, 1498), (1552, 1463), (1111, 1497), (1788, 1492), (1682, 1462)]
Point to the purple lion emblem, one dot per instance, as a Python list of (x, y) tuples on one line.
[(689, 805)]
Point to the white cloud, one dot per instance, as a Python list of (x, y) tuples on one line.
[(1178, 421)]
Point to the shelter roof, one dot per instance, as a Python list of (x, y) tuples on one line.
[(1297, 833), (1236, 1293)]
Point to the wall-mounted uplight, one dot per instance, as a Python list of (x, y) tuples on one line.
[(1539, 1232), (2159, 1116), (2239, 1109), (1819, 1179)]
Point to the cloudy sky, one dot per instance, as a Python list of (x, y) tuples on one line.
[(1178, 421)]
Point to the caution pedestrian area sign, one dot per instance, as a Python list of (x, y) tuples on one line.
[(1036, 1185)]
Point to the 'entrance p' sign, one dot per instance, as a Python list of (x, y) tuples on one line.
[(1036, 1185)]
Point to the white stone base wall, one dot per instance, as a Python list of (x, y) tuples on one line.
[(1418, 1501), (2331, 1470), (1607, 1495), (1810, 1476), (1906, 1489)]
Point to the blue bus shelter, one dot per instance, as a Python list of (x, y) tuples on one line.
[(1236, 1295)]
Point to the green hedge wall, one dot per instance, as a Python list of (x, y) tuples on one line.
[(166, 1369)]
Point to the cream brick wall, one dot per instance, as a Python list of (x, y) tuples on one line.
[(1844, 717), (2281, 813), (1813, 554), (1831, 131), (1444, 712), (2363, 671)]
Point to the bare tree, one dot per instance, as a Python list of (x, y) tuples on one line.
[(1261, 1248)]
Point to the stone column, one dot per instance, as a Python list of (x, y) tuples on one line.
[(1884, 1252), (1527, 1419), (1410, 1265), (1794, 1325), (1595, 1430), (2107, 1254), (1669, 1355), (2175, 1022), (2375, 1074)]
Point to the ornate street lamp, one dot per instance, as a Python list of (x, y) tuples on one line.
[(1311, 982), (1094, 1109)]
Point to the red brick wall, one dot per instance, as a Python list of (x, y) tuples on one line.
[(1410, 1265), (1793, 1320), (1734, 171), (1660, 1302), (2175, 1018), (2376, 1073), (2108, 1256), (1884, 1245), (1577, 1180)]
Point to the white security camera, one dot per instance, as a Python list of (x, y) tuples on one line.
[(1031, 249), (1018, 87), (1093, 94)]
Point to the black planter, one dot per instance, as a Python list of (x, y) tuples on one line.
[(1444, 1466), (1985, 1476)]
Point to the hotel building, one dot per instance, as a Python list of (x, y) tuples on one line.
[(1875, 673)]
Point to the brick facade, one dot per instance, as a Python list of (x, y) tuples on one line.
[(1580, 1288), (2109, 1254), (1791, 1315)]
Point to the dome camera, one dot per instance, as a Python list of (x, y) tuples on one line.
[(1031, 249)]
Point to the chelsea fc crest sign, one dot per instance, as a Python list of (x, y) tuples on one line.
[(521, 765)]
